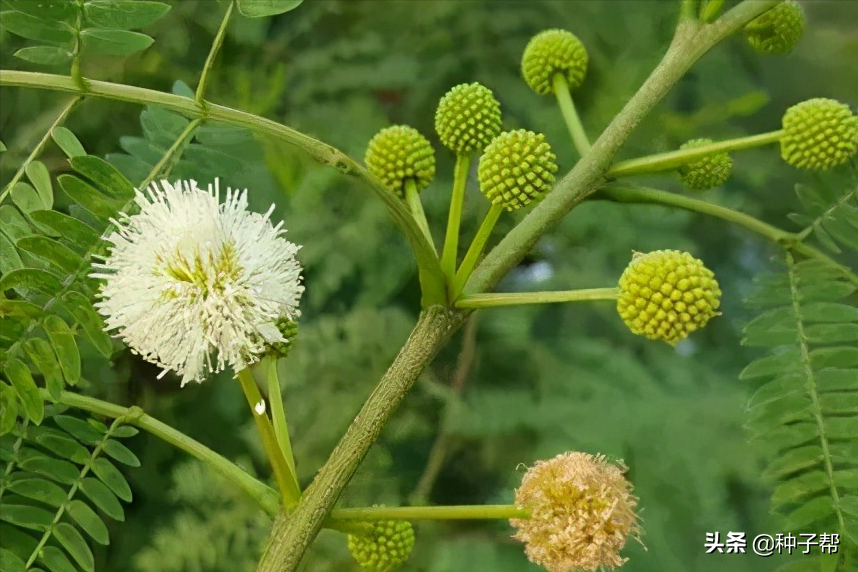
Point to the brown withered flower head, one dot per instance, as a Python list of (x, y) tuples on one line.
[(581, 513)]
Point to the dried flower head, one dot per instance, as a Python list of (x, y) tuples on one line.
[(582, 513), (194, 285)]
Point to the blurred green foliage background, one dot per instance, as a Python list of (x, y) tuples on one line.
[(517, 384)]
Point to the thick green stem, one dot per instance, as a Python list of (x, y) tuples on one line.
[(412, 197), (285, 477), (475, 250), (293, 532), (454, 220), (465, 512), (40, 146), (567, 108), (432, 281), (673, 159), (213, 52), (496, 300), (256, 489)]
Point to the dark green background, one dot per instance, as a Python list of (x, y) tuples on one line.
[(543, 380)]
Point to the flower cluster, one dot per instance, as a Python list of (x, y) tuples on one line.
[(193, 285)]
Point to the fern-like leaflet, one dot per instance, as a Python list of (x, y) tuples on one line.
[(805, 408), (56, 476)]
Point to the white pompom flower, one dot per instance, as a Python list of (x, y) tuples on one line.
[(194, 285)]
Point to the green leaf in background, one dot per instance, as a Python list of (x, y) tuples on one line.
[(87, 196), (88, 521), (9, 409), (44, 55), (33, 28), (13, 224), (26, 198), (19, 375), (41, 179), (27, 280), (123, 14), (55, 560), (79, 429), (65, 346), (100, 41), (68, 142), (11, 563), (20, 308), (42, 355), (55, 253), (81, 308), (263, 8), (9, 259), (75, 545), (40, 490), (57, 224), (106, 177), (110, 476), (2, 146), (101, 496), (121, 453), (46, 9)]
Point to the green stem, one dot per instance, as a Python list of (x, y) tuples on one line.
[(567, 108), (412, 197), (494, 300), (687, 10), (286, 480), (465, 512), (40, 146), (431, 278), (169, 159), (711, 10), (476, 249), (788, 240), (689, 44), (673, 159), (454, 220), (278, 411), (213, 52), (256, 489)]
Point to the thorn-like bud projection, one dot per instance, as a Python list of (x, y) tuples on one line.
[(516, 168), (386, 546), (400, 153), (778, 30), (819, 134), (552, 52), (289, 329), (468, 118), (667, 294), (706, 172), (582, 512)]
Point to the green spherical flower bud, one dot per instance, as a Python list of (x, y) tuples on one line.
[(387, 545), (468, 118), (516, 168), (667, 294), (706, 172), (398, 154), (819, 134), (553, 52), (289, 330), (778, 30)]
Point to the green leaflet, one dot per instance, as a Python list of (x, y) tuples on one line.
[(85, 315), (40, 490), (68, 142), (9, 259), (124, 14), (33, 28), (102, 498), (110, 476), (41, 180), (263, 8), (106, 177), (42, 355), (88, 197), (45, 55), (100, 41), (78, 235), (65, 346), (54, 252), (26, 198), (75, 545), (86, 518), (19, 376)]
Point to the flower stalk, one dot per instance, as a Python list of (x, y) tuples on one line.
[(476, 249), (451, 240), (412, 197), (496, 300), (570, 115)]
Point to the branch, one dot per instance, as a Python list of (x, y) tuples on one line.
[(431, 277)]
